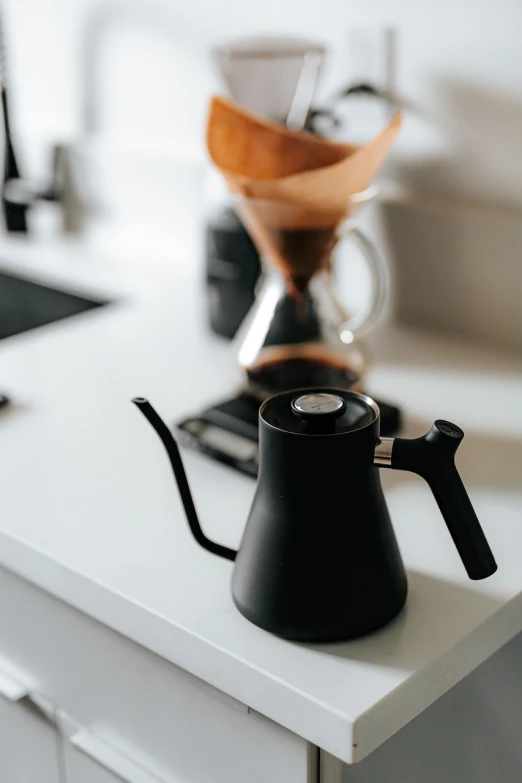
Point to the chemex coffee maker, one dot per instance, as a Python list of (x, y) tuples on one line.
[(319, 560), (299, 197), (275, 77)]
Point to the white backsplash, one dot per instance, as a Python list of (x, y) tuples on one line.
[(456, 267)]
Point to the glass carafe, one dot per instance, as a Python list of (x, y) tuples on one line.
[(298, 333)]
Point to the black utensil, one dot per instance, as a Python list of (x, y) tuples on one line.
[(15, 214)]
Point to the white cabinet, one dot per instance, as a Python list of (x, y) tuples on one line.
[(83, 768), (161, 721), (29, 743), (90, 759)]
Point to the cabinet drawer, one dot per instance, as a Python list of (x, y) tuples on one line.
[(82, 769), (89, 760), (29, 744), (130, 698)]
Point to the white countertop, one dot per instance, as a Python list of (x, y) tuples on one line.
[(90, 511)]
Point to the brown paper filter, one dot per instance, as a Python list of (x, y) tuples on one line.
[(293, 188), (332, 186), (246, 146)]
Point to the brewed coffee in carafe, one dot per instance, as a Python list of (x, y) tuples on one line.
[(298, 333)]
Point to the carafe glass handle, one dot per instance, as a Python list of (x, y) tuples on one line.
[(364, 322)]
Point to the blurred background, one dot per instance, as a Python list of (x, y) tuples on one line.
[(126, 85)]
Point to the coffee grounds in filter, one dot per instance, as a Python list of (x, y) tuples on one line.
[(298, 240)]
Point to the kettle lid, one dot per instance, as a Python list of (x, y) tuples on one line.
[(319, 411)]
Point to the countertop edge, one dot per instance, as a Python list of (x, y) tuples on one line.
[(374, 727), (271, 697), (348, 739)]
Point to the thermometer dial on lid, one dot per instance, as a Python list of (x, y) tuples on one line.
[(318, 411)]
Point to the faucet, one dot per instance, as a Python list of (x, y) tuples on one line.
[(62, 190), (101, 19), (68, 183), (19, 194)]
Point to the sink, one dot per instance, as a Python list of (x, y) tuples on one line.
[(25, 305)]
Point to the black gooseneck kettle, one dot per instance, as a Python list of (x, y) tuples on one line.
[(319, 560)]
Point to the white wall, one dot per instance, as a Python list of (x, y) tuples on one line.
[(459, 64)]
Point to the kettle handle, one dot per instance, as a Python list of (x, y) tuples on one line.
[(168, 440), (433, 458)]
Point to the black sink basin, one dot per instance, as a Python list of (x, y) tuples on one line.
[(26, 305)]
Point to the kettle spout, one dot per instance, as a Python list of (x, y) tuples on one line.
[(172, 449)]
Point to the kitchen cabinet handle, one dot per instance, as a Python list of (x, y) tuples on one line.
[(16, 691), (12, 688), (113, 760)]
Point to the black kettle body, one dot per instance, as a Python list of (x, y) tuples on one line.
[(319, 560)]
